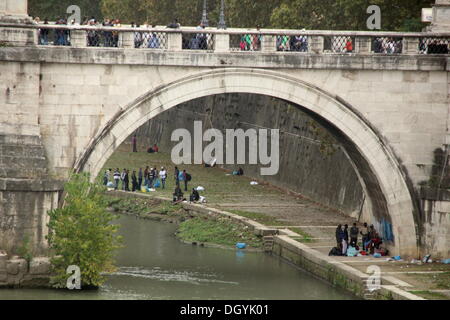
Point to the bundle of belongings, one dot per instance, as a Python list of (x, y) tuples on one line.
[(355, 252)]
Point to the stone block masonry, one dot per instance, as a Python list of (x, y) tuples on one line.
[(16, 272), (26, 193)]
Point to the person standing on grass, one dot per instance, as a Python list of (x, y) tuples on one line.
[(106, 178), (146, 176), (122, 178), (126, 180), (134, 143), (177, 177), (184, 176), (152, 177), (134, 182), (116, 179), (140, 175), (163, 177), (181, 179)]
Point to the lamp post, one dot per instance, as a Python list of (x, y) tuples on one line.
[(205, 14), (222, 24)]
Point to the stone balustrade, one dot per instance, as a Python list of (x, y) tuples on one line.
[(230, 40)]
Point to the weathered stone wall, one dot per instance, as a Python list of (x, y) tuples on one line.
[(328, 178), (17, 272), (26, 193), (436, 222)]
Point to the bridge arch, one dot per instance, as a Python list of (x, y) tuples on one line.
[(382, 176)]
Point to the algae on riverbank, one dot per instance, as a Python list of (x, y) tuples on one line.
[(217, 230)]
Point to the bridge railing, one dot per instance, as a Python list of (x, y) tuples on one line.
[(237, 40)]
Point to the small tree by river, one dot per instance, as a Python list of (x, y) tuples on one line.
[(81, 234)]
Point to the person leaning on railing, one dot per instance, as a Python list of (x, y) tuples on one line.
[(43, 33)]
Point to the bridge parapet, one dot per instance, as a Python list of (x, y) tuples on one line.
[(231, 40)]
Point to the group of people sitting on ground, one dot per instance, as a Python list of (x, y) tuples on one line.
[(153, 149), (178, 195), (347, 241)]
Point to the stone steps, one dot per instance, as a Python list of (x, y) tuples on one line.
[(268, 243)]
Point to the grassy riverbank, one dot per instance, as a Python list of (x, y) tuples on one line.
[(194, 229), (217, 231), (222, 190)]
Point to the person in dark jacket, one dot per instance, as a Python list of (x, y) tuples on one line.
[(178, 194), (134, 181), (338, 236), (365, 235), (126, 180), (345, 239), (177, 174), (140, 177), (354, 231), (195, 196)]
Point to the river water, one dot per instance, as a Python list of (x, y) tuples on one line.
[(155, 265)]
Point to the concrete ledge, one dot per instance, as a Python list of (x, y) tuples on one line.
[(31, 185), (338, 273), (276, 60)]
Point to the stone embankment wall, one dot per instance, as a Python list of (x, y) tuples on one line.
[(18, 272), (436, 221), (311, 163), (26, 193)]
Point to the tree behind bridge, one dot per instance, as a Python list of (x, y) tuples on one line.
[(397, 15)]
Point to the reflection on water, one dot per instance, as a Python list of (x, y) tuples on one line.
[(155, 265)]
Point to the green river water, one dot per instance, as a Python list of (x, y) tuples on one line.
[(155, 265)]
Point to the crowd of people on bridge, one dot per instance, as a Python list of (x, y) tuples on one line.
[(347, 243), (146, 38)]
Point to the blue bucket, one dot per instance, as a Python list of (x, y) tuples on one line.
[(240, 245)]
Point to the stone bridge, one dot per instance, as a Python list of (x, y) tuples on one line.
[(69, 106)]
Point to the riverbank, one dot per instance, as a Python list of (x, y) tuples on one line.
[(202, 230), (284, 244), (287, 214)]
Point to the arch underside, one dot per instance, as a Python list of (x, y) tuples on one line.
[(383, 178)]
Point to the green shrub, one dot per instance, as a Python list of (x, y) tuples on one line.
[(81, 233)]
